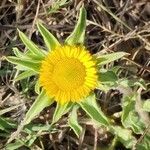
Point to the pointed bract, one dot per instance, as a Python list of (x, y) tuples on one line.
[(50, 41), (78, 34)]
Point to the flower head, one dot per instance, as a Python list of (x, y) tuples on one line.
[(68, 73)]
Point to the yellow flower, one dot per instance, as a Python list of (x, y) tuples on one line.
[(68, 73)]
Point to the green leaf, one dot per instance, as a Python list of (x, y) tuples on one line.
[(32, 56), (124, 136), (25, 74), (35, 66), (107, 76), (37, 87), (50, 41), (146, 105), (78, 34), (30, 45), (90, 106), (18, 53), (105, 59), (40, 103), (144, 144), (130, 118), (22, 68), (31, 131), (73, 121), (6, 124), (60, 111), (107, 80), (33, 128), (13, 146), (28, 141), (27, 55)]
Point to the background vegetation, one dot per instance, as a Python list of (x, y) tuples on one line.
[(124, 94)]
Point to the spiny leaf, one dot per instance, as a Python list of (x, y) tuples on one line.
[(25, 74), (27, 55), (90, 106), (78, 34), (18, 53), (35, 66), (30, 45), (37, 87), (73, 121), (50, 41), (40, 103), (60, 111)]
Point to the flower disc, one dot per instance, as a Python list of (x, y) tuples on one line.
[(68, 73)]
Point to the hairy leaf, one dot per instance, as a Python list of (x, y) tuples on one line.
[(25, 74), (60, 111), (35, 66), (40, 103), (73, 121), (90, 106), (107, 58), (78, 34), (130, 118), (50, 41), (30, 45), (124, 136)]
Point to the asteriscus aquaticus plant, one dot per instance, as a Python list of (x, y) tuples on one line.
[(67, 73)]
